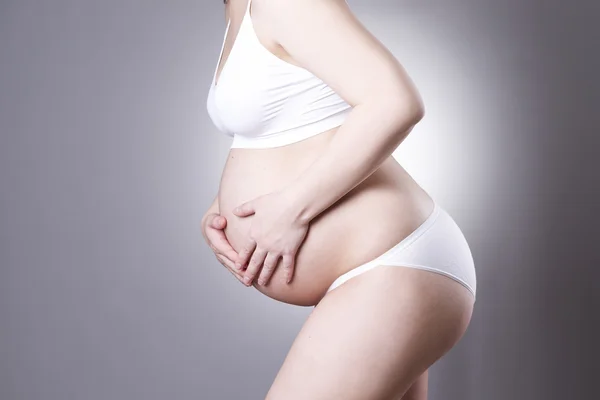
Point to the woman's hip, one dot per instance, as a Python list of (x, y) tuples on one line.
[(437, 245)]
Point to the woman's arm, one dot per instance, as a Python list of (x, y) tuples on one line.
[(325, 37), (359, 147)]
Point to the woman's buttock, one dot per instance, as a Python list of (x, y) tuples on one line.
[(367, 221)]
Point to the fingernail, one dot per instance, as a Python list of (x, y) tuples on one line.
[(247, 280), (238, 265)]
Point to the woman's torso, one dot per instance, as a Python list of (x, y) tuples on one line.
[(368, 220)]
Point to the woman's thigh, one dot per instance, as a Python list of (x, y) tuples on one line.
[(373, 336)]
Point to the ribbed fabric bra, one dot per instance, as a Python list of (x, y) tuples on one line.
[(264, 101)]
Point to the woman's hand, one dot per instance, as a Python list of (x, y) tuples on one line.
[(274, 232), (213, 225)]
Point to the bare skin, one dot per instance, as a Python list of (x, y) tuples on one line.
[(212, 228), (373, 336), (419, 315), (377, 214)]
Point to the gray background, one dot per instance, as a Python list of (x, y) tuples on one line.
[(108, 160)]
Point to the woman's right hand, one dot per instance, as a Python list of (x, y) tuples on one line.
[(213, 226)]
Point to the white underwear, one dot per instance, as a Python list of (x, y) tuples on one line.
[(437, 245)]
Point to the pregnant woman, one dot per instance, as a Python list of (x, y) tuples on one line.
[(316, 210)]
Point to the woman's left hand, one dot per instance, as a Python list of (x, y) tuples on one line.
[(274, 232)]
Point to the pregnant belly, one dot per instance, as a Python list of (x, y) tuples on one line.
[(363, 224)]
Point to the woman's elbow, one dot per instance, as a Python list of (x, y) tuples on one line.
[(417, 110), (416, 107), (409, 110)]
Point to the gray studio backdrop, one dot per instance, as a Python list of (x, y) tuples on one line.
[(108, 161)]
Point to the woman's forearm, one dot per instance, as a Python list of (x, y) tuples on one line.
[(367, 137)]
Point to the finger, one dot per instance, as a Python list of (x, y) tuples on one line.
[(245, 254), (244, 210), (228, 264), (205, 225), (288, 266), (268, 268), (218, 222), (219, 240), (255, 264), (218, 243), (210, 218)]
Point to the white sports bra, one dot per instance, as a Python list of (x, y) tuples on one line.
[(264, 101)]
